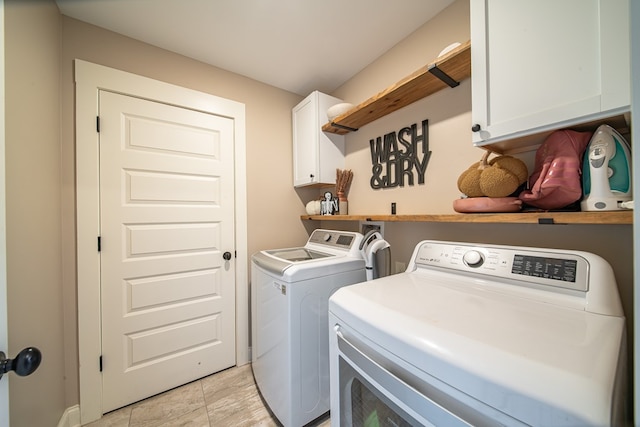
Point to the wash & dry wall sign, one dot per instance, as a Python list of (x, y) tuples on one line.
[(397, 157)]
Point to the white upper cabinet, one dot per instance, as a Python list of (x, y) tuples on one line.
[(546, 64), (316, 155)]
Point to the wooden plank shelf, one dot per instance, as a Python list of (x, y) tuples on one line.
[(446, 71), (595, 218)]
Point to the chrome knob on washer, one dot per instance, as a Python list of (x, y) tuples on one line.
[(473, 258)]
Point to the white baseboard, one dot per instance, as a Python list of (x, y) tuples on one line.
[(71, 417)]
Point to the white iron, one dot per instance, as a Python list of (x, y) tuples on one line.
[(606, 171), (377, 255)]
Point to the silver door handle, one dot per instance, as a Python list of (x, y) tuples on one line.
[(25, 363)]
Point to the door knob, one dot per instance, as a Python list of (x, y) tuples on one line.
[(476, 128), (226, 256), (25, 363)]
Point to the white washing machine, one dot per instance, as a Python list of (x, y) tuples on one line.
[(481, 335), (290, 335)]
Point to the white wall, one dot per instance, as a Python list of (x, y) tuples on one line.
[(34, 257)]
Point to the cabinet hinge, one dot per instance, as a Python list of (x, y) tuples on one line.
[(99, 243), (100, 362), (98, 124)]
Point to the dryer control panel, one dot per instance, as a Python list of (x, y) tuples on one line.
[(573, 278), (561, 269)]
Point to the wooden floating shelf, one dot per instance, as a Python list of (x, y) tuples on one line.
[(611, 218), (446, 71)]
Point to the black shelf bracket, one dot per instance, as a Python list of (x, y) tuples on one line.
[(546, 221), (350, 129), (433, 69)]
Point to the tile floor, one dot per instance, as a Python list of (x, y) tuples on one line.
[(226, 399)]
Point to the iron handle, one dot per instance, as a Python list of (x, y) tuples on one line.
[(476, 128), (25, 363), (226, 256)]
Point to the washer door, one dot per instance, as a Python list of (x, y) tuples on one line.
[(297, 254), (276, 261)]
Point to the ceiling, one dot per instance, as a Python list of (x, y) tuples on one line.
[(296, 45)]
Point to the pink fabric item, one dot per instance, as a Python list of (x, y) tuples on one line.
[(556, 179), (487, 204)]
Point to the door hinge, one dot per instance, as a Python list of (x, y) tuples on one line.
[(99, 243), (98, 124), (100, 361)]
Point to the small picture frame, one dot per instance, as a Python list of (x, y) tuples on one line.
[(329, 204)]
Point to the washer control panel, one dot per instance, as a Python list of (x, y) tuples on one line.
[(564, 269), (344, 240)]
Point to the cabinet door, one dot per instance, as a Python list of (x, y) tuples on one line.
[(541, 64), (305, 143), (316, 155)]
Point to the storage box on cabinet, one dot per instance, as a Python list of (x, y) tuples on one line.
[(546, 65), (316, 155)]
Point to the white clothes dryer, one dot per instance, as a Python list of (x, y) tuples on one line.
[(290, 335), (481, 335)]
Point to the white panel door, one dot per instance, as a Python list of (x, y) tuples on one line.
[(167, 217)]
